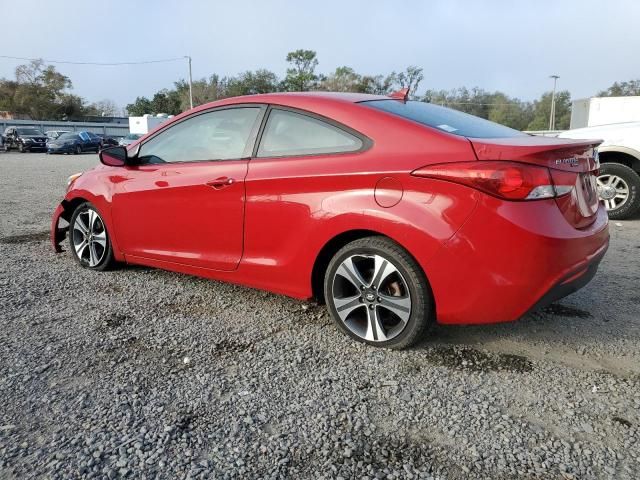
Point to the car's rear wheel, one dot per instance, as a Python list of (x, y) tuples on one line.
[(7, 147), (378, 294), (89, 239), (78, 150), (619, 189)]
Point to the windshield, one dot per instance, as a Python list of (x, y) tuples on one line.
[(133, 136), (68, 136), (445, 119), (29, 131)]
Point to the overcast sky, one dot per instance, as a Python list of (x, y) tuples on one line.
[(511, 46)]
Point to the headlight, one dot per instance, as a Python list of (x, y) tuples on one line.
[(72, 179)]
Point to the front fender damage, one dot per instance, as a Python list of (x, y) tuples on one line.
[(58, 234)]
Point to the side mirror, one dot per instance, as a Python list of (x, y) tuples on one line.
[(114, 156)]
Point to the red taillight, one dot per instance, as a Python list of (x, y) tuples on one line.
[(564, 181), (510, 180)]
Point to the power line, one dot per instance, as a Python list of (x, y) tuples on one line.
[(102, 64), (479, 103)]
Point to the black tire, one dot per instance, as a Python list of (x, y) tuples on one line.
[(632, 179), (421, 314), (78, 150), (21, 148), (106, 259), (7, 147)]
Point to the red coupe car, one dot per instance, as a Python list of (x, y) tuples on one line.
[(396, 213)]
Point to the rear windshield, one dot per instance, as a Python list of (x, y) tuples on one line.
[(445, 119)]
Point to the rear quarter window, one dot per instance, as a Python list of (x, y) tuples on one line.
[(290, 133), (444, 119)]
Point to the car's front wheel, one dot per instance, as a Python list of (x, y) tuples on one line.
[(21, 148), (78, 150), (619, 189), (89, 239), (378, 294)]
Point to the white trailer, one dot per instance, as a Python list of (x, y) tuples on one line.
[(146, 123), (594, 111)]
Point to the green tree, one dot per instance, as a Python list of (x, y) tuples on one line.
[(70, 106), (510, 111), (8, 89), (542, 111), (410, 78), (343, 79), (378, 84), (40, 92), (106, 108), (141, 106), (495, 106), (166, 101), (204, 90), (622, 89), (301, 74), (252, 83), (475, 101)]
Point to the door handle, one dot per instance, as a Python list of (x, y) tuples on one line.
[(221, 182)]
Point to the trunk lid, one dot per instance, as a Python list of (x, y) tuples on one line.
[(572, 163)]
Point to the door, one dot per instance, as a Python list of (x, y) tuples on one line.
[(183, 201), (301, 162)]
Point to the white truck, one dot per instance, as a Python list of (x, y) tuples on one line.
[(146, 123), (594, 111), (619, 179)]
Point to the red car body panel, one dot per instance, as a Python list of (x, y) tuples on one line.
[(176, 213), (486, 259), (539, 251)]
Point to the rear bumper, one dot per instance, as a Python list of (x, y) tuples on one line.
[(573, 282), (512, 257)]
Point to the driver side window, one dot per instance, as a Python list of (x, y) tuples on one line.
[(216, 135)]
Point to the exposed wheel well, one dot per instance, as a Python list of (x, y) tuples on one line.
[(622, 158), (327, 253), (70, 206)]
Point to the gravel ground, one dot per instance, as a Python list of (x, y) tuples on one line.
[(144, 373)]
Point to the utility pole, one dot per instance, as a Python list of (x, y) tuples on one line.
[(190, 82), (552, 115)]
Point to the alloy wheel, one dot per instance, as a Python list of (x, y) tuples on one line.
[(613, 191), (371, 297), (89, 237)]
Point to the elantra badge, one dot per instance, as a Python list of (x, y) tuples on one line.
[(573, 161)]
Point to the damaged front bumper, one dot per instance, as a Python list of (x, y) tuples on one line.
[(58, 234)]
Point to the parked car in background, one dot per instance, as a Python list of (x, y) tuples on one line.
[(24, 139), (129, 139), (75, 142), (619, 178), (53, 134), (107, 140), (397, 214)]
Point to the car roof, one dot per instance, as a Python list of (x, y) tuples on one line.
[(302, 100), (297, 99), (349, 97)]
